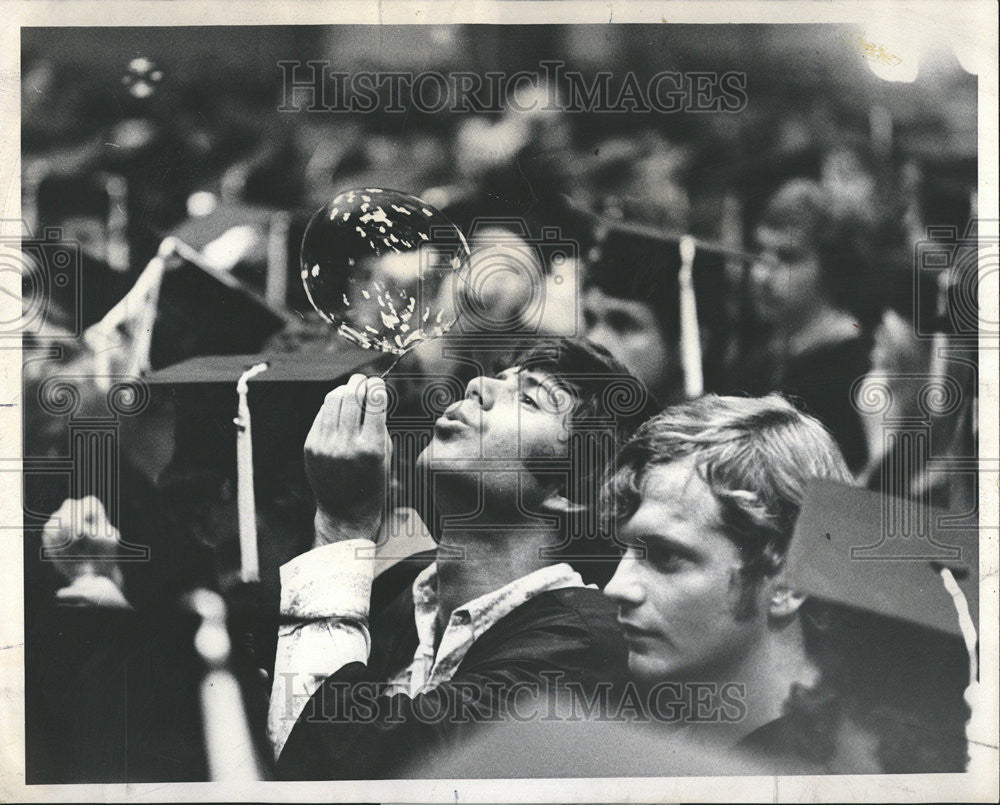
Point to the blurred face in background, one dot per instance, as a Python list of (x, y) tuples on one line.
[(786, 281), (629, 330), (502, 284)]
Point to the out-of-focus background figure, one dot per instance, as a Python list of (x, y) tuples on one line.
[(812, 264)]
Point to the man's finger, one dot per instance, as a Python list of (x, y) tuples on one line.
[(354, 397), (377, 401), (324, 426), (329, 414), (326, 419)]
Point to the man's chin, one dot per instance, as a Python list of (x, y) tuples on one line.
[(649, 668), (439, 456)]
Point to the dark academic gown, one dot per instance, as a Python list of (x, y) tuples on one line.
[(349, 730), (821, 379)]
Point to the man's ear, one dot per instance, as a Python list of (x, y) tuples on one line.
[(557, 503), (784, 602)]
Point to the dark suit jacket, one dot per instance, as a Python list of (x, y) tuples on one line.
[(351, 730)]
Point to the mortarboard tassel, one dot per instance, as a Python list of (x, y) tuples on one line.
[(127, 329), (982, 756), (276, 283), (245, 503), (229, 744), (694, 381)]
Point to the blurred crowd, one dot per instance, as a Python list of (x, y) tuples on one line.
[(804, 228)]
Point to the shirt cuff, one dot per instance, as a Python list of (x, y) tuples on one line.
[(333, 581)]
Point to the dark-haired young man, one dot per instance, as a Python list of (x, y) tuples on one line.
[(356, 694), (630, 309)]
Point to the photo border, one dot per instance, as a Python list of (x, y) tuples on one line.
[(847, 788)]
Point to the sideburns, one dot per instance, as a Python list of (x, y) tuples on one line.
[(744, 584)]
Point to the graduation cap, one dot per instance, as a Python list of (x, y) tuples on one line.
[(635, 260), (212, 424), (284, 391), (894, 594), (204, 312), (883, 555), (178, 308), (468, 207), (284, 399), (261, 245), (681, 277)]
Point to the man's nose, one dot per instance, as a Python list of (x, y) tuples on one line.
[(624, 587), (483, 390)]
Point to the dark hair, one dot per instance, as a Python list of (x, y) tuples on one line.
[(757, 455), (601, 386), (609, 404), (638, 268)]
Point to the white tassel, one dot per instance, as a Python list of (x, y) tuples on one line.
[(245, 503), (978, 729), (694, 381)]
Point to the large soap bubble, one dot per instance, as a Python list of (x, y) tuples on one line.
[(380, 265)]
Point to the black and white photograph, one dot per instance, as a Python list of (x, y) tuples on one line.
[(572, 402)]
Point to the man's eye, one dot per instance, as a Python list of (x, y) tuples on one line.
[(666, 560)]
